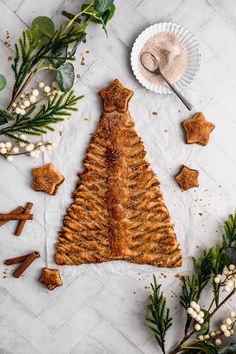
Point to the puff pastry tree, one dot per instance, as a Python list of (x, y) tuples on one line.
[(118, 211)]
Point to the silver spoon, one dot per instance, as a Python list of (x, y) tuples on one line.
[(157, 71)]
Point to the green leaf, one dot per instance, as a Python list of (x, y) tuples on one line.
[(43, 29), (3, 82), (208, 348), (60, 56), (101, 6), (70, 16), (66, 76), (5, 115), (231, 254), (229, 349)]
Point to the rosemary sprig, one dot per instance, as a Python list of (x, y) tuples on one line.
[(53, 112), (161, 320)]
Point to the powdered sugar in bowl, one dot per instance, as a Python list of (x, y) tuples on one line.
[(176, 51)]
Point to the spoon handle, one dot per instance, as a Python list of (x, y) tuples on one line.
[(181, 97)]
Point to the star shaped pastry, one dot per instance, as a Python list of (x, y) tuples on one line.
[(47, 179), (187, 178), (115, 97), (198, 129), (51, 278)]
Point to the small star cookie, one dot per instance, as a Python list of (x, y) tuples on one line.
[(187, 178), (198, 129), (51, 278), (115, 97), (47, 179)]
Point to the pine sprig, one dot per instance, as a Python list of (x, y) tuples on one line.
[(23, 59), (229, 237), (161, 320), (49, 114)]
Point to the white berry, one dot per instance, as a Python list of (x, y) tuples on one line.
[(32, 154), (54, 84), (22, 106), (22, 136), (13, 105), (227, 333), (8, 144), (3, 151), (201, 313), (27, 103), (190, 310), (22, 144), (232, 314), (2, 145), (49, 148), (223, 328), (193, 304), (201, 320), (15, 150), (9, 158), (226, 272), (212, 334), (228, 321), (32, 99), (22, 112), (197, 327), (207, 336), (194, 315), (232, 267), (197, 308), (41, 84), (22, 96), (35, 92), (18, 110), (29, 147), (42, 148), (218, 342), (201, 337), (47, 89)]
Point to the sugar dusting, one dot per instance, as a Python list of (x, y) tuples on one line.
[(171, 55)]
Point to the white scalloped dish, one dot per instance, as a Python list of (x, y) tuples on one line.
[(187, 41)]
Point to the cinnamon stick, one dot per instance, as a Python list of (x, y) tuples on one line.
[(18, 210), (12, 216), (26, 263), (21, 224), (15, 260)]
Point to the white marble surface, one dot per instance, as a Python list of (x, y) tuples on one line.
[(104, 313)]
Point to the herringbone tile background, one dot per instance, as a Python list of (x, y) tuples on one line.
[(105, 314)]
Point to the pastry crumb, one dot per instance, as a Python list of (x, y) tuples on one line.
[(154, 113)]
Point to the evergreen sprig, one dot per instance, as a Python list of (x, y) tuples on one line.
[(229, 237), (53, 112), (161, 320)]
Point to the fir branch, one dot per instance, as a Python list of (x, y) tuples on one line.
[(161, 320), (229, 237), (49, 114)]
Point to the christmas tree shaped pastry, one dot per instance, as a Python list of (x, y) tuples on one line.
[(118, 211)]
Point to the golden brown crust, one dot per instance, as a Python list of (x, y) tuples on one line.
[(51, 278), (187, 178), (118, 211), (115, 97), (198, 129), (47, 179)]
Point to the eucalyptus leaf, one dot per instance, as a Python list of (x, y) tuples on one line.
[(60, 56), (101, 6), (3, 82), (65, 76), (231, 254), (230, 349), (6, 115), (43, 29)]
